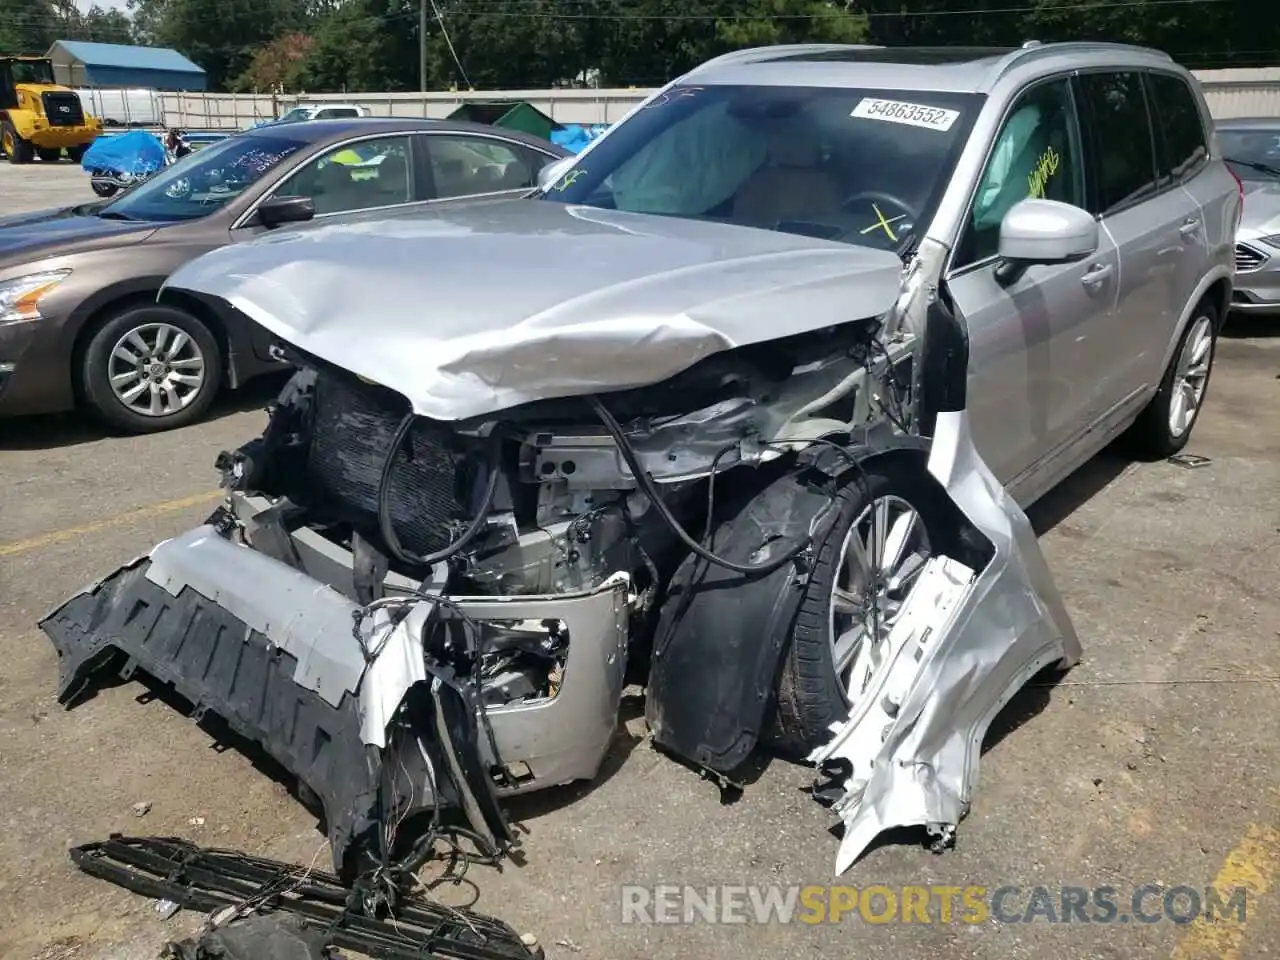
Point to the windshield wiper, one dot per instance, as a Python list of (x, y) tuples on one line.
[(1254, 165), (113, 215)]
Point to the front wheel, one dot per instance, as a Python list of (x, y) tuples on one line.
[(1164, 427), (888, 526), (13, 146), (104, 189), (151, 368)]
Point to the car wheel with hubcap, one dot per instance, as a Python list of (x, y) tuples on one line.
[(1164, 427), (889, 526), (151, 368)]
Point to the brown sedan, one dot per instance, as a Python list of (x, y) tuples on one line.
[(81, 323)]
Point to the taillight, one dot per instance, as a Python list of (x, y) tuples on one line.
[(1240, 189)]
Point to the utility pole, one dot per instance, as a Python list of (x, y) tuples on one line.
[(422, 46)]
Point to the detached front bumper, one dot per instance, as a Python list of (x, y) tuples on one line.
[(274, 653)]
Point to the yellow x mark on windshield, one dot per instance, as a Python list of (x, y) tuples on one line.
[(883, 224)]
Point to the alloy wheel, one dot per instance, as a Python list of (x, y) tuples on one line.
[(156, 369), (880, 560), (1190, 376)]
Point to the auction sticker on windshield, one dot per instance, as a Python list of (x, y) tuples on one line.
[(912, 114)]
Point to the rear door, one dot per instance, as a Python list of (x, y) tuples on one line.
[(1147, 218), (1024, 396), (469, 165), (1187, 135)]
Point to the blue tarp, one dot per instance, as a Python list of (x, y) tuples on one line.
[(136, 153), (574, 137)]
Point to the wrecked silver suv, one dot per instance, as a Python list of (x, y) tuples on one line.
[(536, 450)]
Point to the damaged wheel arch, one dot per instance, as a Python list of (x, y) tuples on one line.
[(726, 644)]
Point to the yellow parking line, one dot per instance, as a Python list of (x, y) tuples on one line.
[(120, 520), (1252, 865)]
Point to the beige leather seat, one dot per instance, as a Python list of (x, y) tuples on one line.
[(789, 185)]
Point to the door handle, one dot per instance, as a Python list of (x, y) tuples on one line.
[(1190, 227), (1096, 275)]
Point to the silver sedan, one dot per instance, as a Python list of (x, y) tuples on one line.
[(1253, 151)]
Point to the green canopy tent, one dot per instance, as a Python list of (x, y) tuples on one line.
[(510, 114)]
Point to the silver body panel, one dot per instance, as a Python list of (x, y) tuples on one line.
[(913, 742), (532, 300)]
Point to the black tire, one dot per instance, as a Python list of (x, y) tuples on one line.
[(76, 154), (809, 696), (104, 189), (1152, 437), (20, 150), (94, 370), (49, 154)]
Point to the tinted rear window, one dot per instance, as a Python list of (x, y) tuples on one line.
[(1179, 124), (1121, 132)]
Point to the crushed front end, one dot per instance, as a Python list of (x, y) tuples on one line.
[(412, 615)]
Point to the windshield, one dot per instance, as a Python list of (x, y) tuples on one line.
[(206, 180), (857, 166), (1250, 151), (33, 71), (297, 113)]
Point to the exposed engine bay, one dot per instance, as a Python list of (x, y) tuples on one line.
[(420, 617)]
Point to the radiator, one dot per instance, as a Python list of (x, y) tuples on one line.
[(351, 434)]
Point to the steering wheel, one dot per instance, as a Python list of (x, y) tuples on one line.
[(886, 216)]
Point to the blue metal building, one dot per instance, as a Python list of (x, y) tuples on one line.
[(78, 63)]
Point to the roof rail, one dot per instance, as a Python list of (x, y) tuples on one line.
[(756, 54), (1034, 49)]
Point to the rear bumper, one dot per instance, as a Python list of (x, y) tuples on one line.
[(272, 652)]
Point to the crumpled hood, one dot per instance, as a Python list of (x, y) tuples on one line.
[(477, 309), (43, 233), (1261, 208)]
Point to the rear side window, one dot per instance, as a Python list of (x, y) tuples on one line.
[(1123, 149), (1179, 124)]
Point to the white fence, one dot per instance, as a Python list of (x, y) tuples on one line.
[(1231, 93), (229, 111)]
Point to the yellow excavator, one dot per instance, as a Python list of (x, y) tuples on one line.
[(39, 116)]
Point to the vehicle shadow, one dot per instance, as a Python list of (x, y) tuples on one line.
[(1070, 495), (51, 431), (1250, 326)]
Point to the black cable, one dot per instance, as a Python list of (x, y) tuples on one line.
[(897, 414), (387, 528), (650, 490)]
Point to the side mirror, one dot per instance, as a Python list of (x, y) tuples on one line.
[(553, 171), (279, 210), (1044, 231)]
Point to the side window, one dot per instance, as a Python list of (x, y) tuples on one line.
[(463, 165), (358, 176), (1122, 138), (1036, 154), (1180, 125), (332, 113)]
